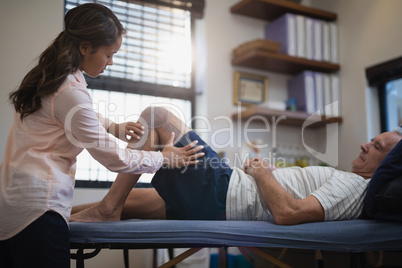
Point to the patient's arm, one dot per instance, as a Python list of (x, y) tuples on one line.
[(284, 208)]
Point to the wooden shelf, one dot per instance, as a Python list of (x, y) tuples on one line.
[(271, 9), (280, 63), (290, 118)]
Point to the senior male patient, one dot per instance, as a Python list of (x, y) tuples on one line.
[(211, 190)]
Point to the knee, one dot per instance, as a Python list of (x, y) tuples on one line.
[(155, 116), (154, 110)]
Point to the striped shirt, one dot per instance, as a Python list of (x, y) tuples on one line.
[(340, 193)]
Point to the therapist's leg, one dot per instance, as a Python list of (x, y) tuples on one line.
[(159, 124), (44, 243)]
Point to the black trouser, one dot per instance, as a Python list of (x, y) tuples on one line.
[(44, 243)]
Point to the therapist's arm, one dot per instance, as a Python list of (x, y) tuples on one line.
[(285, 209), (126, 130)]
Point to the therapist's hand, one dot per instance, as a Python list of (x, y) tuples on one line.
[(176, 157)]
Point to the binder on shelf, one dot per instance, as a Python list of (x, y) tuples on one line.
[(317, 40), (283, 31), (335, 89), (300, 36), (319, 92), (305, 37), (326, 82), (333, 33), (326, 42), (309, 37), (301, 88)]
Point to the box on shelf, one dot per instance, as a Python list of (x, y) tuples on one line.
[(315, 91), (261, 44), (305, 37), (283, 31), (301, 88)]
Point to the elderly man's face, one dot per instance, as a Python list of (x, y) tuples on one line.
[(373, 153)]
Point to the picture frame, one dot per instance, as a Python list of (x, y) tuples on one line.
[(249, 89)]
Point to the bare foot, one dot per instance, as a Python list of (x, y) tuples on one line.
[(95, 214)]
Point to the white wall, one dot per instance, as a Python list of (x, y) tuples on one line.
[(369, 33), (26, 29), (367, 36), (224, 32)]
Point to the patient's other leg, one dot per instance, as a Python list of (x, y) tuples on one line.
[(141, 203), (159, 124), (144, 203), (82, 207)]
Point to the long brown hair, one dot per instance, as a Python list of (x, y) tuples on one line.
[(91, 23)]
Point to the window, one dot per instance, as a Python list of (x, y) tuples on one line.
[(387, 77), (153, 66), (119, 107), (393, 104)]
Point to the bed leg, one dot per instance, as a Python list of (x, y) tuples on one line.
[(223, 257), (171, 254), (125, 257), (80, 258), (319, 260), (356, 260)]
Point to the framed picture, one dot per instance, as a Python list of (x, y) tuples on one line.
[(249, 89)]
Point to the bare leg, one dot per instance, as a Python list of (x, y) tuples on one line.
[(144, 203), (82, 207), (160, 124), (141, 203)]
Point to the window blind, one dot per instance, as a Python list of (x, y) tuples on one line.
[(196, 7), (155, 51), (153, 66)]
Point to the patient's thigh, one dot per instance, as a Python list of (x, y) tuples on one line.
[(144, 203)]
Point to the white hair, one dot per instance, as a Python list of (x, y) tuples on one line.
[(398, 130)]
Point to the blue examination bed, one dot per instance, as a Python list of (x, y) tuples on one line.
[(352, 236)]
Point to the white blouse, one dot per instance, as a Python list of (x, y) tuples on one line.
[(38, 168)]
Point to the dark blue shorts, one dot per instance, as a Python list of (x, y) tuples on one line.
[(196, 192)]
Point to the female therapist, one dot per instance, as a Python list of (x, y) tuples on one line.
[(53, 122)]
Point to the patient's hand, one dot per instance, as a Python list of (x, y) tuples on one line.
[(261, 162), (258, 167)]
